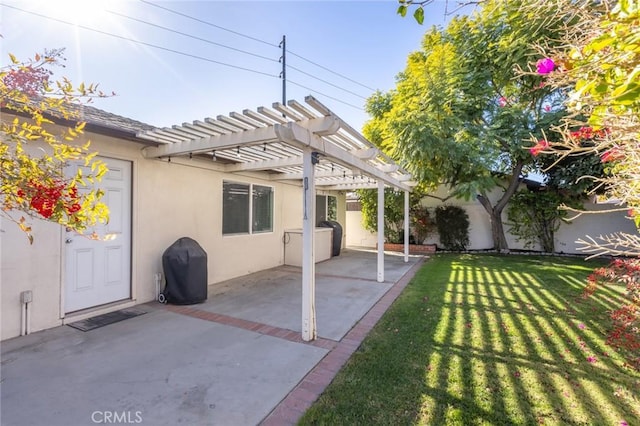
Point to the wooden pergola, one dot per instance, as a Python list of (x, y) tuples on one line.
[(305, 143)]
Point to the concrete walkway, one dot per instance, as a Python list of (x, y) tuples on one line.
[(237, 359)]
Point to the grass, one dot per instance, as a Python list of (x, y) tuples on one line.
[(488, 340)]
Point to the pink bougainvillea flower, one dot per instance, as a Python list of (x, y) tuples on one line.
[(545, 66), (591, 359), (624, 423), (547, 108), (502, 101), (517, 374), (631, 212), (581, 326)]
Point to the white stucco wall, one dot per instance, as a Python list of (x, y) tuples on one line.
[(170, 200), (480, 227), (356, 235), (34, 267)]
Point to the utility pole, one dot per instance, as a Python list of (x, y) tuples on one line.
[(283, 73)]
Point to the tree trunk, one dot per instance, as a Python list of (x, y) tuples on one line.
[(497, 229), (495, 212)]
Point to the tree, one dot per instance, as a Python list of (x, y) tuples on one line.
[(603, 71), (462, 115), (393, 211), (33, 157)]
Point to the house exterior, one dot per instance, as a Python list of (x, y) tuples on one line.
[(236, 202), (480, 227)]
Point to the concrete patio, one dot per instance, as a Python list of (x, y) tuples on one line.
[(236, 359)]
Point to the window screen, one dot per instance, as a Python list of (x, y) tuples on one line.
[(235, 208)]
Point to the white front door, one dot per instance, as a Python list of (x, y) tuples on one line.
[(99, 271)]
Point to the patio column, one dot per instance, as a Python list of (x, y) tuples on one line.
[(380, 231), (406, 226), (309, 331)]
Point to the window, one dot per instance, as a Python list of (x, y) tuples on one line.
[(239, 211), (262, 209), (326, 208)]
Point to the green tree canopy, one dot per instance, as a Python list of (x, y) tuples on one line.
[(463, 113)]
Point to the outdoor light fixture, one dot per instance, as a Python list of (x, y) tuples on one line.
[(213, 155), (315, 157)]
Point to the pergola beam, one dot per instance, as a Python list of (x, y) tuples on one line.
[(206, 144), (296, 135)]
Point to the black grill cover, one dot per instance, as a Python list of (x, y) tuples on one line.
[(337, 235), (185, 270)]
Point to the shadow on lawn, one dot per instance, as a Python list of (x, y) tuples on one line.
[(497, 340), (512, 347)]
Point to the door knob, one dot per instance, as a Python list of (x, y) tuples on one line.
[(68, 241)]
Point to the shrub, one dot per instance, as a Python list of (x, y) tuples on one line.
[(453, 227), (534, 218), (422, 223), (625, 331)]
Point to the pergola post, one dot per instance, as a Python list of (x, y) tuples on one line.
[(406, 226), (380, 231), (309, 331)]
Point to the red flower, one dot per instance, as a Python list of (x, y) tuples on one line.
[(539, 147), (613, 154)]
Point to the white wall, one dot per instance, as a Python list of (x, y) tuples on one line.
[(480, 226), (355, 234), (170, 200)]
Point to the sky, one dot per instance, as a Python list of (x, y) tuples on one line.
[(171, 62)]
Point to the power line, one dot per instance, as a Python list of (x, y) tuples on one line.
[(231, 48), (325, 95), (190, 36), (207, 23), (155, 46), (331, 71), (192, 55), (258, 40), (325, 81)]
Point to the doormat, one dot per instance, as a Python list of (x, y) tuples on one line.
[(106, 319)]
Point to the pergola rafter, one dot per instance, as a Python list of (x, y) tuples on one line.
[(273, 140)]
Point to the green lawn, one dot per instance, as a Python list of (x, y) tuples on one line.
[(479, 339)]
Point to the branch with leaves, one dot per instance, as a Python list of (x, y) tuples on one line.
[(35, 155), (602, 68), (418, 13)]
